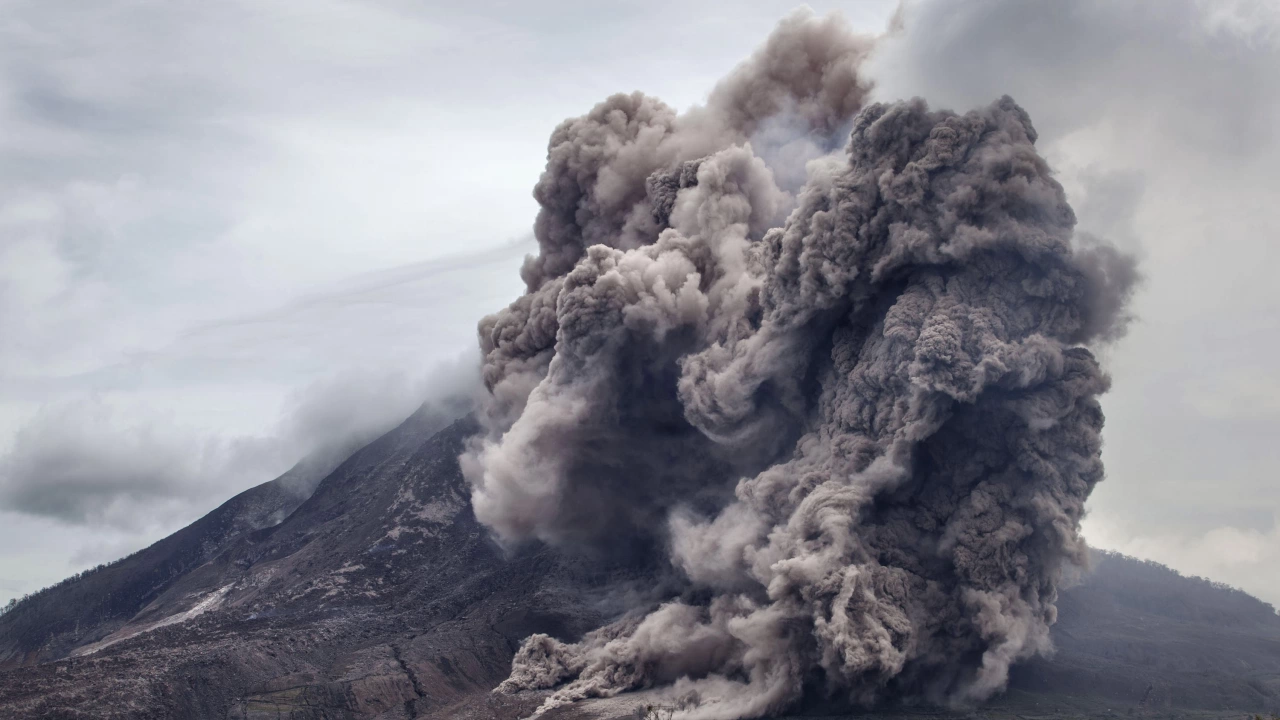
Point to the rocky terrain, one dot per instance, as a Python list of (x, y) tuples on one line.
[(380, 596)]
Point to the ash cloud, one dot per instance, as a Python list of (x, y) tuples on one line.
[(859, 415)]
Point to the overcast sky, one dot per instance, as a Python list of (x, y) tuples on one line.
[(232, 233)]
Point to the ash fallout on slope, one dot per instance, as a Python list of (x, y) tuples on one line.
[(854, 407)]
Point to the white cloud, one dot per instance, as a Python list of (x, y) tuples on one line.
[(1250, 392)]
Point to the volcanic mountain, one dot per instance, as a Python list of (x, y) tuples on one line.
[(380, 596)]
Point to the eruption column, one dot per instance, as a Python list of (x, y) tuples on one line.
[(859, 415)]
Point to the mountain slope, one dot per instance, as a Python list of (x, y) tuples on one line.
[(380, 596), (105, 602), (378, 590), (1136, 629), (98, 602)]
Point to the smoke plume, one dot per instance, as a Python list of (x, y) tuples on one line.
[(857, 413)]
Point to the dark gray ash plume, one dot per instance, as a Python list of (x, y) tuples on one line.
[(860, 418)]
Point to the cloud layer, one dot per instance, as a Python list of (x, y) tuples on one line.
[(94, 462)]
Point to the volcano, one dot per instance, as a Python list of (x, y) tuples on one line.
[(381, 596)]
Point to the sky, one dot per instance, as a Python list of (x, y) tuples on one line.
[(235, 233)]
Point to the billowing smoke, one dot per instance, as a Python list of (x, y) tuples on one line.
[(857, 415)]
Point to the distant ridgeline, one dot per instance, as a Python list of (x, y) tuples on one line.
[(1161, 590)]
